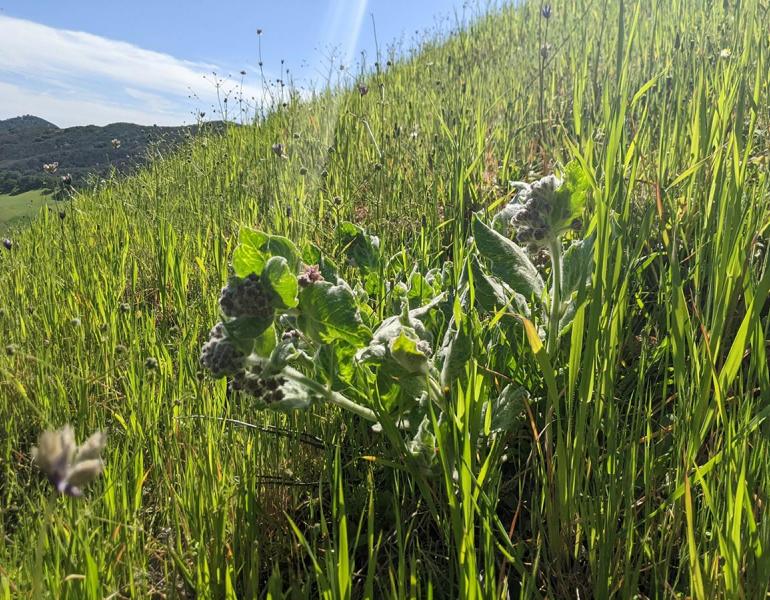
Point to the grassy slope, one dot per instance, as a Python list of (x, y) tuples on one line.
[(20, 207), (669, 131)]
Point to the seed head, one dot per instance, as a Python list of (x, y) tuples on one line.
[(363, 90), (545, 12), (151, 364), (67, 466), (303, 171), (278, 150), (8, 244)]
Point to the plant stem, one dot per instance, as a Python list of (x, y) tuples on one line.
[(555, 313), (37, 575), (330, 395)]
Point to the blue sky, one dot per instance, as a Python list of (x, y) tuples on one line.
[(90, 61)]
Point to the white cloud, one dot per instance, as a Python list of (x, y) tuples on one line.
[(74, 78)]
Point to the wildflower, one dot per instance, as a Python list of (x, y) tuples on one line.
[(66, 179), (201, 114), (303, 171), (377, 166), (11, 349), (62, 214), (278, 150), (725, 53), (246, 297), (67, 466), (121, 349), (8, 244), (545, 50), (243, 72), (125, 307), (309, 276), (546, 11), (219, 355), (115, 143), (259, 32), (51, 167), (363, 90), (151, 364), (75, 322)]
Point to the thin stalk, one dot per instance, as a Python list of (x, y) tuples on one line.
[(37, 576), (555, 312), (329, 395)]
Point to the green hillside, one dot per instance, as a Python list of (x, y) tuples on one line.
[(595, 426), (16, 209)]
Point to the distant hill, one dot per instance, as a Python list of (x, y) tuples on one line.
[(29, 142)]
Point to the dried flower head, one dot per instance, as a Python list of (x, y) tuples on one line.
[(545, 12), (67, 466), (363, 90)]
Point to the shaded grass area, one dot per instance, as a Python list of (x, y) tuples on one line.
[(641, 466)]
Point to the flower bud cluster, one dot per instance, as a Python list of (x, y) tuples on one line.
[(219, 355), (533, 219), (246, 297), (251, 382)]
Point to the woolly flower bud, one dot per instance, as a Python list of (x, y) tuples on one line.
[(67, 466), (532, 215), (246, 298), (219, 355)]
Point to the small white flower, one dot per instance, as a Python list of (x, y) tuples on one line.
[(67, 466), (725, 53)]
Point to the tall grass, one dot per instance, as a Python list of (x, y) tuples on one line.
[(641, 467)]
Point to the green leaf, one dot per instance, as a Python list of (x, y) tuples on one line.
[(256, 247), (507, 260), (423, 445), (244, 331), (501, 413), (577, 266), (265, 343), (248, 257), (571, 196), (278, 276), (329, 312), (492, 294), (456, 351), (362, 249), (407, 353)]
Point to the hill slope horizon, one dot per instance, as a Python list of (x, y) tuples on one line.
[(28, 142)]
